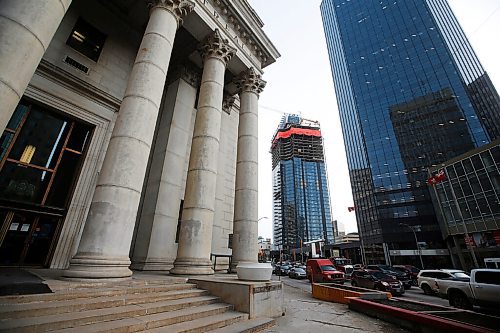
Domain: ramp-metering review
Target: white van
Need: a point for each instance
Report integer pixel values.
(492, 263)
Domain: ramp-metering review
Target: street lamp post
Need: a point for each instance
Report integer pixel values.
(301, 250)
(416, 242)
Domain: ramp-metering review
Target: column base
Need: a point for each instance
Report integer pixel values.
(98, 268)
(234, 264)
(192, 266)
(254, 271)
(152, 264)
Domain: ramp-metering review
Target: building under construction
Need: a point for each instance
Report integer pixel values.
(301, 202)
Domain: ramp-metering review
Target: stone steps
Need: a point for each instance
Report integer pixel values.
(152, 321)
(125, 307)
(204, 324)
(33, 309)
(94, 292)
(247, 326)
(72, 319)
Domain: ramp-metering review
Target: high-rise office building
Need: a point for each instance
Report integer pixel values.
(411, 94)
(301, 202)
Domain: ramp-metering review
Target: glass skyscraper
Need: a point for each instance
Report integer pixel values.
(411, 94)
(301, 202)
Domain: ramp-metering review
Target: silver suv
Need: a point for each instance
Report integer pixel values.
(427, 278)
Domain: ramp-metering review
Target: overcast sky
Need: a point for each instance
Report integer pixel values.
(301, 82)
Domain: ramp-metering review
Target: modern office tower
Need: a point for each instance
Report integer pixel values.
(301, 202)
(411, 94)
(467, 192)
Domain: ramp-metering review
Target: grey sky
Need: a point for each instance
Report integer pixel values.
(301, 81)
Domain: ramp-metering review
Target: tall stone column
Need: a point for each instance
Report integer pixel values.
(26, 29)
(155, 247)
(245, 227)
(195, 236)
(104, 247)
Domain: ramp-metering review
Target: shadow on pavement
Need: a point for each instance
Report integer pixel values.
(17, 281)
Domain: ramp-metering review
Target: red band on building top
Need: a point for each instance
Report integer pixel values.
(299, 131)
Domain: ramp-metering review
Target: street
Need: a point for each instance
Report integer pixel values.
(414, 294)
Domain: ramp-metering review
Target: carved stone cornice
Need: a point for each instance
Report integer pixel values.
(180, 8)
(228, 102)
(249, 32)
(215, 46)
(250, 81)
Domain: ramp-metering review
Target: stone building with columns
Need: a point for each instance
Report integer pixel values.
(129, 134)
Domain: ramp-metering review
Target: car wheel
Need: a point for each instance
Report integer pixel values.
(460, 301)
(427, 290)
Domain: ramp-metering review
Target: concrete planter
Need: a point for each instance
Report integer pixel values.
(343, 294)
(254, 271)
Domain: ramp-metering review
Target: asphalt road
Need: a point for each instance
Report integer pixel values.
(415, 294)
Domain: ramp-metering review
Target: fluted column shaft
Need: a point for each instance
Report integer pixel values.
(26, 29)
(245, 227)
(195, 237)
(103, 251)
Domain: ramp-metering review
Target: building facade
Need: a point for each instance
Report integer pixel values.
(301, 201)
(411, 94)
(129, 134)
(468, 202)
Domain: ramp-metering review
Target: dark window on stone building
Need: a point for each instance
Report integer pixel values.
(86, 39)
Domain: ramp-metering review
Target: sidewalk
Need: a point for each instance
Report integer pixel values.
(305, 314)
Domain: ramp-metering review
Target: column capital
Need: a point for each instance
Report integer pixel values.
(179, 8)
(250, 81)
(228, 102)
(215, 46)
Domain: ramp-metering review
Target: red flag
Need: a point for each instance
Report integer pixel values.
(350, 209)
(437, 178)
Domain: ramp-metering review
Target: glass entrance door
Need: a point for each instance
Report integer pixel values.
(41, 152)
(26, 238)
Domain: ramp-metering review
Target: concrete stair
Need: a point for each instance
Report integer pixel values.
(156, 306)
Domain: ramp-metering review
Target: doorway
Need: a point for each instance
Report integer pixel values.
(27, 238)
(41, 152)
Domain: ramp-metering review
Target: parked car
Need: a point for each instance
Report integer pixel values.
(492, 263)
(322, 270)
(377, 280)
(412, 270)
(427, 278)
(357, 266)
(283, 270)
(297, 273)
(344, 265)
(481, 289)
(405, 278)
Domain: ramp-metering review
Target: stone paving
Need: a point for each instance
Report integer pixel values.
(305, 314)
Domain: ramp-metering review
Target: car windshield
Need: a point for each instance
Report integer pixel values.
(400, 269)
(328, 268)
(380, 275)
(299, 270)
(460, 275)
(385, 268)
(414, 270)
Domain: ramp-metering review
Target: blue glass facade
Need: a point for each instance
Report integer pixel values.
(411, 94)
(301, 198)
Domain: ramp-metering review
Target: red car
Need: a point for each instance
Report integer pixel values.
(322, 270)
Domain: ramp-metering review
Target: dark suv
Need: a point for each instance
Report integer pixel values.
(405, 278)
(377, 280)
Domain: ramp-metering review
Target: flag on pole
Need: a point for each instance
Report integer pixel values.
(437, 178)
